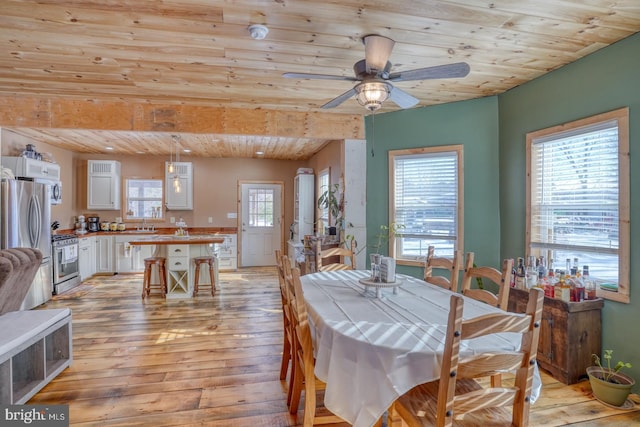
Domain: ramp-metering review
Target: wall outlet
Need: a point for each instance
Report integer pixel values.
(232, 215)
(172, 220)
(210, 220)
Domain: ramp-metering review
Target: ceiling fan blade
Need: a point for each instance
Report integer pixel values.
(340, 99)
(377, 50)
(402, 98)
(318, 76)
(459, 69)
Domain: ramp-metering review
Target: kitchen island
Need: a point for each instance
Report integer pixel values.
(180, 252)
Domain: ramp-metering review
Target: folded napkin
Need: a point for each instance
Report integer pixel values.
(387, 269)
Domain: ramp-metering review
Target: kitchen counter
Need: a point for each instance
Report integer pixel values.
(167, 239)
(158, 231)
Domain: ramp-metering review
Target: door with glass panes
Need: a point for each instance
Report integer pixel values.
(261, 223)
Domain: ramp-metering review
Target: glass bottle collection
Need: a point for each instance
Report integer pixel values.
(570, 284)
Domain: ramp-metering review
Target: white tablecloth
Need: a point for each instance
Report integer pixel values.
(371, 350)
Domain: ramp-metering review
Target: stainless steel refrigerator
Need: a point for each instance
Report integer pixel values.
(25, 214)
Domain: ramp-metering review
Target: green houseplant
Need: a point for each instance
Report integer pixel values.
(608, 384)
(331, 199)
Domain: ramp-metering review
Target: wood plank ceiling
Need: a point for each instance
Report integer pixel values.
(200, 53)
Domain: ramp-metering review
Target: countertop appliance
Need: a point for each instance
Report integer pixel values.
(66, 270)
(25, 215)
(94, 223)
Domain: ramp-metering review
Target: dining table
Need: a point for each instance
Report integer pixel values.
(371, 347)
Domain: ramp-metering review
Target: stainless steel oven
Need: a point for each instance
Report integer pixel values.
(65, 262)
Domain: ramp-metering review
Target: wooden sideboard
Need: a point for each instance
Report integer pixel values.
(569, 334)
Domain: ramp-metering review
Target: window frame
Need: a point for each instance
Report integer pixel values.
(125, 197)
(621, 116)
(326, 220)
(393, 243)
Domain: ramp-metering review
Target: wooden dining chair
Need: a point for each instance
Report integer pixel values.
(286, 317)
(457, 399)
(502, 278)
(501, 299)
(453, 265)
(304, 376)
(323, 255)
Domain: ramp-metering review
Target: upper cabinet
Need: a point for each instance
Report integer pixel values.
(103, 184)
(32, 168)
(179, 186)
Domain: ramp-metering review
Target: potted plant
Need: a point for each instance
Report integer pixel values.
(333, 200)
(609, 385)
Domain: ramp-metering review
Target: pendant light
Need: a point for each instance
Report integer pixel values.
(173, 167)
(170, 165)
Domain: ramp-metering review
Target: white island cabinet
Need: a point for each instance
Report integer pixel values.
(129, 258)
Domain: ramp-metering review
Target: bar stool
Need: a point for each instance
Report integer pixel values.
(146, 282)
(210, 260)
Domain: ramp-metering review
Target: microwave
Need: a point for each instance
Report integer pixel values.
(55, 189)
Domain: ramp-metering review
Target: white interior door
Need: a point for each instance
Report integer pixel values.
(261, 206)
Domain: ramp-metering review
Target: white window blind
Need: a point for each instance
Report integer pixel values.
(575, 198)
(144, 198)
(323, 186)
(426, 202)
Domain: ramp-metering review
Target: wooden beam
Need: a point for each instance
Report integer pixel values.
(97, 114)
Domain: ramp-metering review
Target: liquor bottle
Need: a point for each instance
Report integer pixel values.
(563, 290)
(570, 279)
(520, 274)
(549, 289)
(541, 264)
(589, 285)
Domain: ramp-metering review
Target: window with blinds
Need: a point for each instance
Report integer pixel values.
(323, 186)
(426, 199)
(576, 189)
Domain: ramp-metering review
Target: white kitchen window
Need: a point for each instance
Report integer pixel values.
(143, 198)
(426, 198)
(578, 198)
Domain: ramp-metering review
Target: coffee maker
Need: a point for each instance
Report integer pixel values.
(94, 223)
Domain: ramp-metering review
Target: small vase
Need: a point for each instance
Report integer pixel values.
(613, 393)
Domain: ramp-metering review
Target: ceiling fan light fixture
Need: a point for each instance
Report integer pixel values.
(371, 95)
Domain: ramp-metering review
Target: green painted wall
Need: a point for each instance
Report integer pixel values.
(471, 123)
(601, 82)
(493, 133)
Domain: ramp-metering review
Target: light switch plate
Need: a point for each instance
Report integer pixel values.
(210, 220)
(172, 220)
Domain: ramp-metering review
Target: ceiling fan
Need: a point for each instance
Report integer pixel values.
(375, 79)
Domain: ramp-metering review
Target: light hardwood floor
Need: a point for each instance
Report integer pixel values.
(213, 360)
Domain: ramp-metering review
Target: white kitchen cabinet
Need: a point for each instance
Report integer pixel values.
(103, 184)
(104, 254)
(32, 168)
(303, 206)
(128, 258)
(183, 199)
(227, 252)
(86, 256)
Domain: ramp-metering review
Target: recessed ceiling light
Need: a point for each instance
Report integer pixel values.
(186, 150)
(259, 153)
(108, 148)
